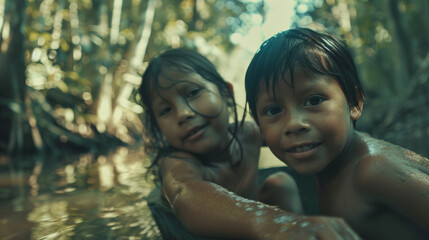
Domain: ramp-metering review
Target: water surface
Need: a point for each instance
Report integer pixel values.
(83, 196)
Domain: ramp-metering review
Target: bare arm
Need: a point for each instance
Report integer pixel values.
(208, 209)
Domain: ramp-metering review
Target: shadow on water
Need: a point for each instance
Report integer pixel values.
(76, 197)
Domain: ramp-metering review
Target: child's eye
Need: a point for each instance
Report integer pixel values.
(164, 111)
(194, 92)
(314, 100)
(272, 111)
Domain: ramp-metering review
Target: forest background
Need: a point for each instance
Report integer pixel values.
(69, 69)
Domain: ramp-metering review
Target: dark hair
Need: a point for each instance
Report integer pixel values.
(186, 61)
(320, 53)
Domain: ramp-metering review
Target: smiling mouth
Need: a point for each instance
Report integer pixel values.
(303, 148)
(191, 134)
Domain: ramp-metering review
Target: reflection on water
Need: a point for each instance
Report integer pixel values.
(76, 197)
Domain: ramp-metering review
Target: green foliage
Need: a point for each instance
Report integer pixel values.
(205, 26)
(83, 56)
(79, 56)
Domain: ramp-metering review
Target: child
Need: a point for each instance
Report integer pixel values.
(208, 167)
(304, 92)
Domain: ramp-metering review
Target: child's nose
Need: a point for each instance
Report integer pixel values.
(184, 112)
(296, 124)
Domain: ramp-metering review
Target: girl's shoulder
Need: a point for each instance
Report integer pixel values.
(180, 163)
(248, 130)
(179, 156)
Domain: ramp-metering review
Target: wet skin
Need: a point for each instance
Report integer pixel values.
(210, 197)
(308, 126)
(379, 188)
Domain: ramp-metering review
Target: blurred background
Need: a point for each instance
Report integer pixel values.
(70, 68)
(71, 163)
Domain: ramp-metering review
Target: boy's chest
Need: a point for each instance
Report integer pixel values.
(370, 220)
(344, 203)
(340, 198)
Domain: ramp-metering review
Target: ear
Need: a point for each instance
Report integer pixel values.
(355, 112)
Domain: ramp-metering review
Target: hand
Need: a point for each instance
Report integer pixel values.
(315, 227)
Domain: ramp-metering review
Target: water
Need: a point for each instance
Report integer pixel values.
(76, 197)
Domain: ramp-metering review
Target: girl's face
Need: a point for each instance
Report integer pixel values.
(309, 126)
(191, 112)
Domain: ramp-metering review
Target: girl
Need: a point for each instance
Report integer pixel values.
(208, 167)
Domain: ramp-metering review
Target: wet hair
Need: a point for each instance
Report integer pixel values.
(319, 53)
(185, 61)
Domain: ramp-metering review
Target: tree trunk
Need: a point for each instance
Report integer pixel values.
(13, 134)
(405, 49)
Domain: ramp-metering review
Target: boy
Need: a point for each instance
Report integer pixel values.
(304, 92)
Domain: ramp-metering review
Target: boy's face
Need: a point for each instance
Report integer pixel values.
(308, 126)
(190, 112)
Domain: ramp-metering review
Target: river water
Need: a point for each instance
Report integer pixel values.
(83, 196)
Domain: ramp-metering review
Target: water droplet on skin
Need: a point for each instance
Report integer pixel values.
(259, 213)
(283, 219)
(249, 209)
(280, 220)
(304, 224)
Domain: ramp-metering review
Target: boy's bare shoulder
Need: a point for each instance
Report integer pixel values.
(385, 164)
(394, 177)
